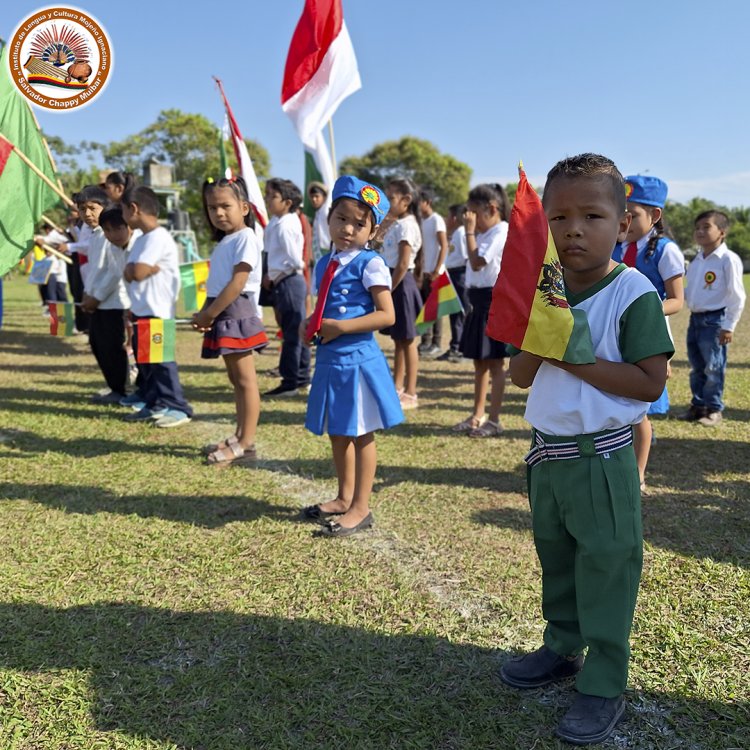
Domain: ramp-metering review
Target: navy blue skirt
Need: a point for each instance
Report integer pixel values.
(475, 343)
(237, 330)
(407, 302)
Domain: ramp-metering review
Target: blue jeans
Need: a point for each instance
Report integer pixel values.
(708, 359)
(289, 300)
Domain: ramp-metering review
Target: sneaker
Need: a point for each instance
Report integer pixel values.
(693, 414)
(591, 719)
(133, 398)
(107, 398)
(422, 348)
(710, 419)
(282, 390)
(431, 352)
(172, 418)
(540, 667)
(145, 414)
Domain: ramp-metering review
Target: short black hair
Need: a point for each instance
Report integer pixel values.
(143, 197)
(112, 217)
(720, 219)
(371, 212)
(427, 195)
(91, 194)
(287, 190)
(591, 166)
(489, 192)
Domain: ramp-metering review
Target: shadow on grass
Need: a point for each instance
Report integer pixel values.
(208, 511)
(224, 680)
(35, 344)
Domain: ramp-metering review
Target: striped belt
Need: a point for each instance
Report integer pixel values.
(580, 447)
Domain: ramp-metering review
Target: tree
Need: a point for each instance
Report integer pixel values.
(418, 160)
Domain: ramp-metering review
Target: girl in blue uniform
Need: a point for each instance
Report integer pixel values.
(352, 393)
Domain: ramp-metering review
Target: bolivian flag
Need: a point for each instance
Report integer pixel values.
(61, 318)
(529, 309)
(442, 300)
(193, 277)
(154, 341)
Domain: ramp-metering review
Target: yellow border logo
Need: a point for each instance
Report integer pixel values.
(370, 195)
(628, 190)
(60, 58)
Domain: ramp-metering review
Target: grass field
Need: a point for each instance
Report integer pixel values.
(149, 601)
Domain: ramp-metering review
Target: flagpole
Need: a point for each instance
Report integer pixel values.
(333, 149)
(38, 172)
(60, 255)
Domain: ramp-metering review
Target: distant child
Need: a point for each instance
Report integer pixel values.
(649, 249)
(715, 296)
(76, 249)
(583, 478)
(229, 318)
(434, 252)
(486, 224)
(352, 393)
(284, 247)
(117, 184)
(402, 243)
(55, 288)
(456, 266)
(153, 277)
(107, 301)
(321, 239)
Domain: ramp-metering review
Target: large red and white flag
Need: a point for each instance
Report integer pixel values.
(245, 162)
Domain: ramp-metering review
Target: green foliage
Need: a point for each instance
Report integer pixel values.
(418, 160)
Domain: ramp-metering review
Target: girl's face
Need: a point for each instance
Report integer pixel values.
(316, 199)
(708, 235)
(487, 215)
(399, 202)
(350, 224)
(114, 192)
(225, 210)
(89, 212)
(643, 219)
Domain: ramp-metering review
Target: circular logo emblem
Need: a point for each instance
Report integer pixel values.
(60, 58)
(709, 278)
(370, 195)
(628, 190)
(156, 338)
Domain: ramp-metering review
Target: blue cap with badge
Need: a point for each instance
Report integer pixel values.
(646, 190)
(348, 186)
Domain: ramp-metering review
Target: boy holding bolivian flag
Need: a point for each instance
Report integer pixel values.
(583, 479)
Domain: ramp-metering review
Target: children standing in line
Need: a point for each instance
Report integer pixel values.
(321, 239)
(582, 473)
(455, 264)
(153, 277)
(434, 252)
(402, 242)
(284, 247)
(716, 297)
(649, 249)
(352, 394)
(76, 249)
(486, 225)
(229, 318)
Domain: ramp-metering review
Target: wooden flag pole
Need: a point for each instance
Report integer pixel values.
(333, 149)
(52, 224)
(60, 255)
(38, 172)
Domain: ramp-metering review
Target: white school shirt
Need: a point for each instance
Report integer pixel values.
(97, 244)
(156, 295)
(402, 230)
(284, 245)
(239, 247)
(55, 238)
(715, 281)
(490, 245)
(81, 246)
(433, 224)
(457, 254)
(321, 237)
(105, 282)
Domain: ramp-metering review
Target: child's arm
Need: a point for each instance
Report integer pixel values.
(523, 368)
(735, 299)
(140, 271)
(675, 290)
(443, 242)
(383, 316)
(404, 256)
(476, 262)
(203, 320)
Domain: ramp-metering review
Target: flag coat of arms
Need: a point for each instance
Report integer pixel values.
(193, 277)
(61, 318)
(442, 300)
(154, 341)
(529, 309)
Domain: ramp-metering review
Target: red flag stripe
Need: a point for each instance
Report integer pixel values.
(433, 300)
(143, 340)
(6, 147)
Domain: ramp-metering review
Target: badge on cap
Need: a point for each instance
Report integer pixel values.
(370, 195)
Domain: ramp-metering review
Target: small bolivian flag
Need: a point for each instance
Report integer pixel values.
(61, 318)
(529, 309)
(442, 300)
(193, 277)
(154, 341)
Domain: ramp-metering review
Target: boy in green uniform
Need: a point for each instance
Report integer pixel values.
(583, 479)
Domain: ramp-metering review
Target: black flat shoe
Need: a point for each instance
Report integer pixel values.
(591, 719)
(334, 529)
(539, 668)
(314, 513)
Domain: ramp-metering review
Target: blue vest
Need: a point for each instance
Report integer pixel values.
(649, 267)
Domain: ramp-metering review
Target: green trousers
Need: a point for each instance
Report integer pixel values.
(587, 530)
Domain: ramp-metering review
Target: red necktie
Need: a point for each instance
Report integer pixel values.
(313, 325)
(630, 255)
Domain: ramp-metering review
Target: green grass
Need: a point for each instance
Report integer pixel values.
(148, 601)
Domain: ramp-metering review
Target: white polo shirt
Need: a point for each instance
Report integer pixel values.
(284, 244)
(402, 230)
(156, 295)
(490, 245)
(430, 244)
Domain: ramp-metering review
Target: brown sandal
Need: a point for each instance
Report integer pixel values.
(469, 424)
(238, 455)
(213, 447)
(488, 429)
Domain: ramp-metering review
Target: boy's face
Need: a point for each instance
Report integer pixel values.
(275, 204)
(89, 212)
(642, 219)
(708, 235)
(350, 225)
(425, 209)
(118, 236)
(585, 222)
(316, 199)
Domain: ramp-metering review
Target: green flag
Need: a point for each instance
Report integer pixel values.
(23, 195)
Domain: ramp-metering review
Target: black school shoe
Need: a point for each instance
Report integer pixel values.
(539, 668)
(590, 719)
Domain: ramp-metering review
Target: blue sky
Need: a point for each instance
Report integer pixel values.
(658, 86)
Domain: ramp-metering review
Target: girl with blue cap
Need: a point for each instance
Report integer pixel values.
(352, 393)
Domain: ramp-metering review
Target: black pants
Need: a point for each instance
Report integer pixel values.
(107, 339)
(75, 282)
(458, 277)
(289, 300)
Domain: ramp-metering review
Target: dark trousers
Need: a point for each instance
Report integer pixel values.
(162, 388)
(75, 282)
(434, 334)
(289, 301)
(53, 290)
(107, 339)
(458, 277)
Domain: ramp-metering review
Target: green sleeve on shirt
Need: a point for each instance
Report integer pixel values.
(511, 350)
(643, 330)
